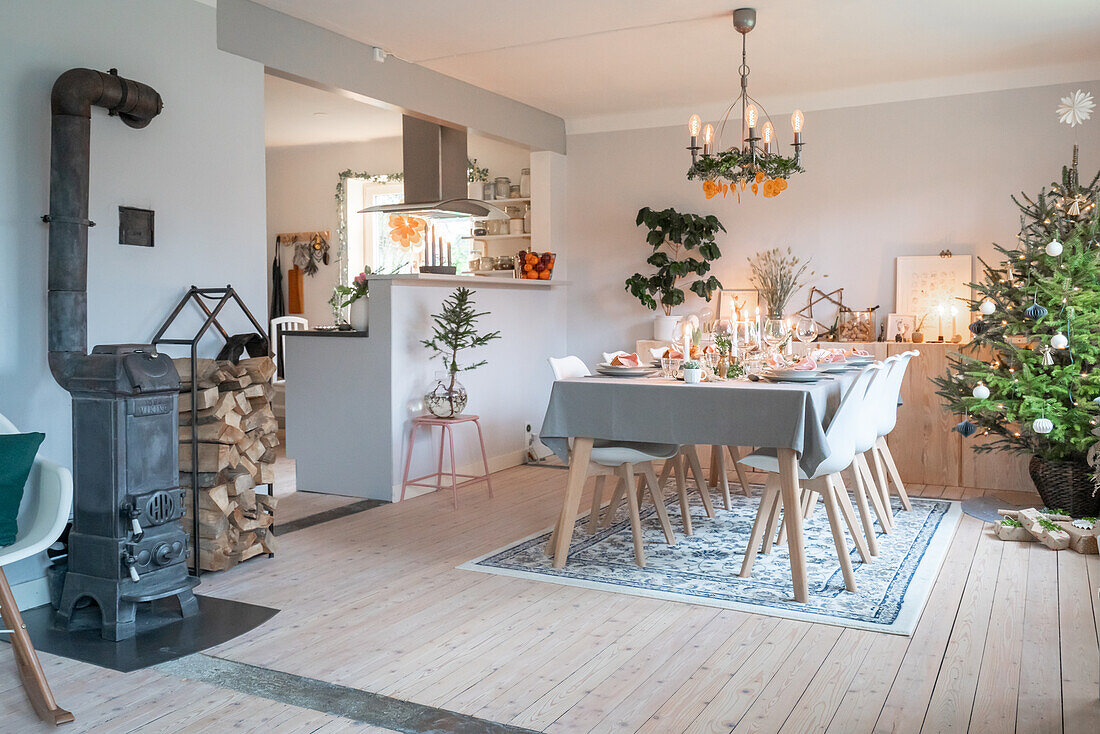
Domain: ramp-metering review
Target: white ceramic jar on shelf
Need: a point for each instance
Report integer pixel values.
(525, 183)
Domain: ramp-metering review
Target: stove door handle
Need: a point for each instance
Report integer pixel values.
(134, 574)
(131, 566)
(135, 526)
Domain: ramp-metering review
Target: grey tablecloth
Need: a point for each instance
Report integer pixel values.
(768, 415)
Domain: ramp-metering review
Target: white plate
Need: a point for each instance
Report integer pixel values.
(794, 376)
(860, 360)
(606, 369)
(833, 369)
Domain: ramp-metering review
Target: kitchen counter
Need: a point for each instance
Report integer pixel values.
(349, 400)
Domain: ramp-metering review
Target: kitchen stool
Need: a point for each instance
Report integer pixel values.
(446, 432)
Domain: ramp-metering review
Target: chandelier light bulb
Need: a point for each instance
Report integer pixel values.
(750, 116)
(708, 138)
(694, 124)
(797, 121)
(769, 134)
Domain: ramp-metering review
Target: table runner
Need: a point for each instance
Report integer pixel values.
(661, 410)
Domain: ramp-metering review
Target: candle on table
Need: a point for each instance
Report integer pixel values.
(939, 317)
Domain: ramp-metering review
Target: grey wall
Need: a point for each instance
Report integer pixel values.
(907, 178)
(301, 190)
(199, 165)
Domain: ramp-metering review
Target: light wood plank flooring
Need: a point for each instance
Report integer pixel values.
(1007, 642)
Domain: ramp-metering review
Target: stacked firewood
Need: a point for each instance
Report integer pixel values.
(237, 433)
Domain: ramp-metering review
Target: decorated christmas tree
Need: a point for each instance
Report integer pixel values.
(1029, 378)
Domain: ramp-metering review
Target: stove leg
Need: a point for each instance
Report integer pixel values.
(189, 605)
(119, 621)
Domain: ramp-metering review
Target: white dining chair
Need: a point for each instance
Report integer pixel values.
(826, 480)
(279, 326)
(885, 418)
(47, 499)
(622, 461)
(867, 489)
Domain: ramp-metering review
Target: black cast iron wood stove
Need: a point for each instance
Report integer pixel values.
(127, 545)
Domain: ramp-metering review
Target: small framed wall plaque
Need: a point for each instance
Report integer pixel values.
(135, 226)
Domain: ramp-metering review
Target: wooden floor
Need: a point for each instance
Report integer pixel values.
(1007, 642)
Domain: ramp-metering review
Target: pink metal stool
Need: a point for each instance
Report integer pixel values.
(445, 425)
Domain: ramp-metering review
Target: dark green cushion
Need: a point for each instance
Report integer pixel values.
(17, 452)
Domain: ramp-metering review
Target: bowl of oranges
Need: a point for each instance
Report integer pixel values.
(535, 265)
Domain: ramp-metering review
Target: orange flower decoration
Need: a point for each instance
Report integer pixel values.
(711, 189)
(781, 183)
(755, 188)
(759, 176)
(405, 231)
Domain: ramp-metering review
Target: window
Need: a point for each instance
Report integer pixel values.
(369, 243)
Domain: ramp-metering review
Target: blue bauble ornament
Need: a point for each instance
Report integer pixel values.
(965, 428)
(979, 326)
(1035, 311)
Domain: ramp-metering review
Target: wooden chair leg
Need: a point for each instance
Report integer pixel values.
(454, 476)
(884, 450)
(803, 497)
(831, 509)
(26, 660)
(658, 501)
(774, 514)
(718, 477)
(874, 494)
(883, 483)
(836, 484)
(681, 490)
(616, 502)
(809, 504)
(864, 512)
(763, 520)
(700, 479)
(597, 502)
(735, 455)
(627, 477)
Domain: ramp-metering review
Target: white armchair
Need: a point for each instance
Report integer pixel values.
(47, 499)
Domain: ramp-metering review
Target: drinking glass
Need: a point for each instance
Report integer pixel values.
(805, 330)
(775, 333)
(746, 338)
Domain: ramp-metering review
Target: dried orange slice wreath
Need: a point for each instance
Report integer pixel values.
(406, 231)
(770, 187)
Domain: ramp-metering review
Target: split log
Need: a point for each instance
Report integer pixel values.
(213, 457)
(260, 369)
(204, 399)
(235, 383)
(217, 432)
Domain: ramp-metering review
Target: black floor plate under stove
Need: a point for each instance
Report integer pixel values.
(162, 634)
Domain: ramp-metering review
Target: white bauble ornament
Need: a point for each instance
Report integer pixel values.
(1042, 425)
(987, 307)
(1054, 249)
(1059, 341)
(981, 392)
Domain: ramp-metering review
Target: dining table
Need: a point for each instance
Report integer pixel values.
(788, 418)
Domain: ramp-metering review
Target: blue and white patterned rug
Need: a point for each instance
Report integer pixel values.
(703, 568)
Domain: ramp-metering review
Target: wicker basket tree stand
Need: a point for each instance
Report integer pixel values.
(1066, 485)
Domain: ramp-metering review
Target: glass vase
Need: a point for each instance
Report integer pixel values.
(447, 398)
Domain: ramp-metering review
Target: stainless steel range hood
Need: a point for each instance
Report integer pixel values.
(435, 175)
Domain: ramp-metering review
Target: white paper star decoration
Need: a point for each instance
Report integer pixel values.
(1076, 108)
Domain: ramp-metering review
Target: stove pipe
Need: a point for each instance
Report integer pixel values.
(74, 94)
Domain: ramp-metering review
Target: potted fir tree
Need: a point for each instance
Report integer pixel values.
(1029, 378)
(675, 240)
(453, 330)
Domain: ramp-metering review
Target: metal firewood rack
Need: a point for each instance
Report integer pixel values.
(218, 298)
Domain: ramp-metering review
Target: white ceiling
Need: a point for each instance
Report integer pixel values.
(296, 114)
(627, 63)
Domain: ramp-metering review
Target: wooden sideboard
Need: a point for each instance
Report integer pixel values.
(925, 448)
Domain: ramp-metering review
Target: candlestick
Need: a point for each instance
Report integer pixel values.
(954, 328)
(939, 319)
(448, 253)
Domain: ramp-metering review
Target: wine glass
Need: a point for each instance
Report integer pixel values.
(805, 330)
(775, 333)
(746, 338)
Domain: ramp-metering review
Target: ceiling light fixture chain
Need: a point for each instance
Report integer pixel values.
(759, 166)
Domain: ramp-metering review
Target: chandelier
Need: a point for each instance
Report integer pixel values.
(758, 163)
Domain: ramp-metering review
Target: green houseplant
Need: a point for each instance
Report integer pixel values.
(682, 246)
(454, 329)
